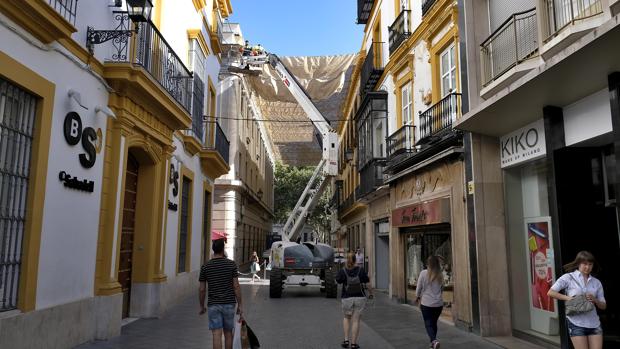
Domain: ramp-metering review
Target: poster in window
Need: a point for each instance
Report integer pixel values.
(540, 250)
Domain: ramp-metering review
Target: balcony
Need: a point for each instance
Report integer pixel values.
(371, 178)
(46, 20)
(372, 69)
(222, 145)
(346, 204)
(364, 7)
(438, 119)
(214, 155)
(400, 30)
(426, 6)
(401, 142)
(514, 42)
(148, 49)
(559, 14)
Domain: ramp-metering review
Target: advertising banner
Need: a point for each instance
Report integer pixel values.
(540, 262)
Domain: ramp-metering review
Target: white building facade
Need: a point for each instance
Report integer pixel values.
(108, 164)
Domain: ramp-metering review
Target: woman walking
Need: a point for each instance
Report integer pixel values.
(584, 326)
(429, 291)
(255, 266)
(353, 279)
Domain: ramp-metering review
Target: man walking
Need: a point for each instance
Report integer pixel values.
(224, 293)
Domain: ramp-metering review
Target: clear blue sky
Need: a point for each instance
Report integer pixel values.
(300, 27)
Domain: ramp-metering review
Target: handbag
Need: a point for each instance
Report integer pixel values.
(579, 304)
(257, 267)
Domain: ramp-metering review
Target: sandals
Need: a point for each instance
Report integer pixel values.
(345, 344)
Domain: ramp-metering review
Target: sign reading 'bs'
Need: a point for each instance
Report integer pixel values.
(526, 143)
(74, 134)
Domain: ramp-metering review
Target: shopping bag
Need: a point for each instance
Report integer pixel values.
(257, 267)
(254, 344)
(237, 334)
(240, 335)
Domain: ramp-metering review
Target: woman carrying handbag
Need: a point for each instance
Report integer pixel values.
(584, 293)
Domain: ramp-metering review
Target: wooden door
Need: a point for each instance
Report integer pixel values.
(127, 233)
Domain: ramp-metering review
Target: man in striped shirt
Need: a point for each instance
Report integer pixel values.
(224, 294)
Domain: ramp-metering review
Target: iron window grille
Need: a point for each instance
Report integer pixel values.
(65, 8)
(17, 117)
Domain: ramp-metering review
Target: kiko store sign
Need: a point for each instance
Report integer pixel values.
(524, 144)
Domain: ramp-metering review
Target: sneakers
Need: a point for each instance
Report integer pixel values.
(435, 344)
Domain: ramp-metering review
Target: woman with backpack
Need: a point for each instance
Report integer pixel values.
(353, 279)
(583, 294)
(429, 291)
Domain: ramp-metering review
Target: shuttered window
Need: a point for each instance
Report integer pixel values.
(500, 10)
(184, 229)
(17, 116)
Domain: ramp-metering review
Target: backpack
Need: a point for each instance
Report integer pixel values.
(353, 286)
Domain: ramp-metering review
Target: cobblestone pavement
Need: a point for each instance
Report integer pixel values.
(302, 318)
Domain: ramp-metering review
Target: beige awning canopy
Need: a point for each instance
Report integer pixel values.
(326, 79)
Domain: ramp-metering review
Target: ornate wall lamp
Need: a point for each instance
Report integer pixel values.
(139, 11)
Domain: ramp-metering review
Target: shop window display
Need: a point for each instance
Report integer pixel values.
(420, 246)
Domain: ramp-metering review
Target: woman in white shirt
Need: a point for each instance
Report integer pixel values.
(584, 329)
(428, 291)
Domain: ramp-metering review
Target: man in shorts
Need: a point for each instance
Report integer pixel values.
(224, 295)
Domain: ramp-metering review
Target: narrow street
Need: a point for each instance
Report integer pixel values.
(300, 319)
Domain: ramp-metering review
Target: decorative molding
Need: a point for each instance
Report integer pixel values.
(213, 164)
(156, 107)
(198, 35)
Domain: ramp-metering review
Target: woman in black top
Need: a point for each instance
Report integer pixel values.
(354, 280)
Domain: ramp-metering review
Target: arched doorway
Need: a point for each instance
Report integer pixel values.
(128, 231)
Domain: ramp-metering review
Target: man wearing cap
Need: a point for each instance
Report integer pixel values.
(221, 274)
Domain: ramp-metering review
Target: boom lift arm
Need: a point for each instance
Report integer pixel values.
(327, 167)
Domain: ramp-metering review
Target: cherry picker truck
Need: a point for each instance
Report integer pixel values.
(306, 263)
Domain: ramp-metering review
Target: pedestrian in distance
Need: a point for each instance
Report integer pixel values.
(359, 257)
(429, 295)
(355, 287)
(221, 274)
(254, 266)
(583, 294)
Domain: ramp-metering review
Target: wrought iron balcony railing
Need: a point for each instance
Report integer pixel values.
(513, 42)
(222, 145)
(347, 203)
(363, 10)
(401, 142)
(440, 117)
(400, 30)
(371, 178)
(149, 49)
(66, 8)
(560, 13)
(426, 6)
(372, 69)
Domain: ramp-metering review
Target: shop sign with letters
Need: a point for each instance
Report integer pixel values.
(526, 143)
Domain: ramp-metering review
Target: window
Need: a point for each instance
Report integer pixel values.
(17, 117)
(422, 244)
(184, 229)
(448, 70)
(407, 113)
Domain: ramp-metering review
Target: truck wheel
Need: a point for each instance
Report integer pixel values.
(331, 289)
(275, 283)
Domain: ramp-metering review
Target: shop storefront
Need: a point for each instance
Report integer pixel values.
(428, 217)
(559, 200)
(425, 231)
(531, 258)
